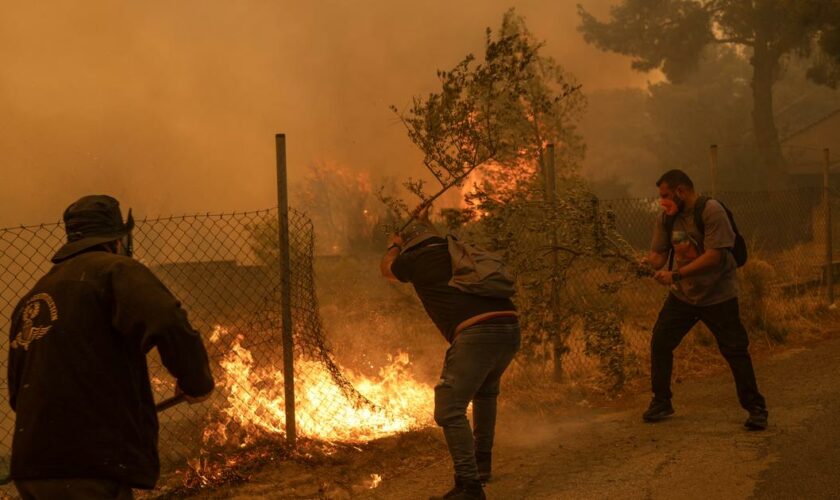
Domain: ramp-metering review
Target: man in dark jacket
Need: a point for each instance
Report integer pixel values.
(483, 333)
(85, 424)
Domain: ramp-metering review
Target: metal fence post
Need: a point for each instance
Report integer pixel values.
(550, 177)
(713, 167)
(829, 252)
(286, 289)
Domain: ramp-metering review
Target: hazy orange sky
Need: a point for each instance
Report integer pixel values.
(173, 106)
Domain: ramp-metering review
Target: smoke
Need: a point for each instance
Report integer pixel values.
(172, 106)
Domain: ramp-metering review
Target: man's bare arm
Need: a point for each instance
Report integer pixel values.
(655, 260)
(394, 242)
(707, 261)
(387, 260)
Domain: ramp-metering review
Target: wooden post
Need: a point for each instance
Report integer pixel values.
(829, 252)
(713, 167)
(550, 177)
(286, 289)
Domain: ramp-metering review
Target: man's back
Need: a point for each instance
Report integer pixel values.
(78, 379)
(429, 268)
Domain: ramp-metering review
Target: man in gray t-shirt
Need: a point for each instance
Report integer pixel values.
(700, 271)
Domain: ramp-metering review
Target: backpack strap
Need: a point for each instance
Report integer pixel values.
(699, 207)
(668, 224)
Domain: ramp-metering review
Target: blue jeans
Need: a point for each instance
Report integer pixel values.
(472, 371)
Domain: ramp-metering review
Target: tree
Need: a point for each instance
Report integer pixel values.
(498, 115)
(342, 206)
(500, 111)
(709, 106)
(671, 35)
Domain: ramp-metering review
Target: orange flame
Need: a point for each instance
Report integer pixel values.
(255, 400)
(496, 180)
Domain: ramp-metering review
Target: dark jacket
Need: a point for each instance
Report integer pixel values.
(428, 266)
(78, 379)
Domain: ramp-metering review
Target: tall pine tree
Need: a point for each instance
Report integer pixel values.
(671, 35)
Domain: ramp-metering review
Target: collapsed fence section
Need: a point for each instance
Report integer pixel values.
(225, 271)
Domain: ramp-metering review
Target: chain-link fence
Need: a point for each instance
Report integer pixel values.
(225, 270)
(589, 308)
(786, 235)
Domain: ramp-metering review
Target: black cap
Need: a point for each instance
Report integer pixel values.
(418, 232)
(91, 221)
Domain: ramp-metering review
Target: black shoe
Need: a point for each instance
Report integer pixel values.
(465, 489)
(757, 420)
(658, 410)
(483, 460)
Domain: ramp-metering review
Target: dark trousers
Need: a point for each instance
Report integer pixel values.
(73, 489)
(724, 321)
(472, 372)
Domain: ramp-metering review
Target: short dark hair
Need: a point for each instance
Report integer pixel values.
(675, 178)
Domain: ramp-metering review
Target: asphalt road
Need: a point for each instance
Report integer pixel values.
(702, 452)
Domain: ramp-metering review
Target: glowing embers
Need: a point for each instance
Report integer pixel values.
(255, 401)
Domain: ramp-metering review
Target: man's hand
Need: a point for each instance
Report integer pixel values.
(395, 239)
(664, 277)
(644, 269)
(190, 399)
(390, 256)
(653, 261)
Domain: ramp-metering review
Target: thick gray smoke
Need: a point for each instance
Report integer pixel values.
(172, 106)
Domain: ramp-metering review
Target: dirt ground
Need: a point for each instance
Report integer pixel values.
(601, 450)
(608, 452)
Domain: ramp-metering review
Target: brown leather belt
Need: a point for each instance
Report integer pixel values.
(480, 319)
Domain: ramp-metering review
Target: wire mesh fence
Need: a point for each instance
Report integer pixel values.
(225, 270)
(607, 312)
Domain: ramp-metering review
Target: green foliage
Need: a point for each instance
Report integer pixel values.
(668, 35)
(602, 332)
(671, 35)
(633, 135)
(500, 110)
(498, 115)
(569, 262)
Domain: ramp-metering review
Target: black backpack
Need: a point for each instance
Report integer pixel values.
(739, 251)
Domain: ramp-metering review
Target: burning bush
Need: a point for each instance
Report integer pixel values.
(252, 414)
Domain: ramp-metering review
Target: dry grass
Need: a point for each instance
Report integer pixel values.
(368, 318)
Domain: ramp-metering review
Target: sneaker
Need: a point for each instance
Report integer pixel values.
(483, 460)
(658, 410)
(757, 420)
(464, 489)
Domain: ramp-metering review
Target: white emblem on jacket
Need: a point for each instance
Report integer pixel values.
(33, 329)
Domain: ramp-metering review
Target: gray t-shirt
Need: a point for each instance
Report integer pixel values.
(716, 285)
